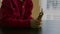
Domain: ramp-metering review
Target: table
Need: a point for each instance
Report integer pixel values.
(20, 31)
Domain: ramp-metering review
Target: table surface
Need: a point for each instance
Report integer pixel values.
(20, 31)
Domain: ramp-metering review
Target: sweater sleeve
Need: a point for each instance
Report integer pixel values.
(12, 22)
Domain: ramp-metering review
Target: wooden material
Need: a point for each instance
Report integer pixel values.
(36, 9)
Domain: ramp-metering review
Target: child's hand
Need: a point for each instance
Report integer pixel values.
(36, 23)
(40, 15)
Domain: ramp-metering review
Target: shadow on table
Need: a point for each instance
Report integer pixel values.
(21, 31)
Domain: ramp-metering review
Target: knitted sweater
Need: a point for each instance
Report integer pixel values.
(16, 13)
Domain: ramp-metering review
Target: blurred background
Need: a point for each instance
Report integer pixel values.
(51, 18)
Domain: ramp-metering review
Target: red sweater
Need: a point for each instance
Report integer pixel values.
(16, 13)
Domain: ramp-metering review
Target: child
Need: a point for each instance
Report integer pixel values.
(17, 13)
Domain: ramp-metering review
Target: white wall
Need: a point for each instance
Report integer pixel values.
(51, 20)
(50, 14)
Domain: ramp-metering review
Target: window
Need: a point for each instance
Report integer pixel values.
(51, 9)
(55, 4)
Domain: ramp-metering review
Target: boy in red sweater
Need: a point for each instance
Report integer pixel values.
(17, 13)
